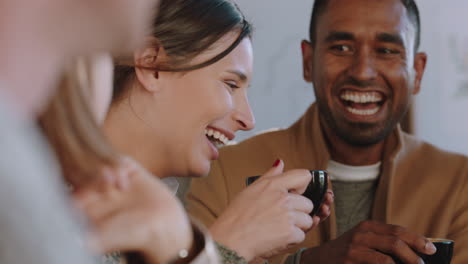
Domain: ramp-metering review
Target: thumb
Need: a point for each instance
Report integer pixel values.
(276, 169)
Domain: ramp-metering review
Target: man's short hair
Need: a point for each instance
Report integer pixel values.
(411, 7)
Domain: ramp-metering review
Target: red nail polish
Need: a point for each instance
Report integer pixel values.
(277, 162)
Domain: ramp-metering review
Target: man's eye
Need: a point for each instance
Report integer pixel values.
(342, 48)
(388, 51)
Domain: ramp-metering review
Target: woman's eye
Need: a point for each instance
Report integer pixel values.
(231, 85)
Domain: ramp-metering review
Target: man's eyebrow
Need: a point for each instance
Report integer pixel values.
(240, 74)
(337, 36)
(390, 38)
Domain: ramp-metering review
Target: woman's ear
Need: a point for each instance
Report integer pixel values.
(146, 60)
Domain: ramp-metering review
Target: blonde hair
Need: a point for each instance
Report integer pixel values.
(71, 127)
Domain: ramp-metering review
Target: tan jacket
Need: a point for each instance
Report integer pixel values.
(420, 187)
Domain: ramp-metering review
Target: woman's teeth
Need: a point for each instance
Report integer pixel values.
(217, 137)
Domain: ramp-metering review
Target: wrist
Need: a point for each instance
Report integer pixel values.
(180, 243)
(170, 254)
(202, 250)
(232, 238)
(229, 256)
(186, 255)
(233, 244)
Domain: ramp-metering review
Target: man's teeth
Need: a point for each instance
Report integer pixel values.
(362, 98)
(220, 137)
(363, 112)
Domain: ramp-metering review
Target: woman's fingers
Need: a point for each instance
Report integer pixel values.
(302, 220)
(300, 203)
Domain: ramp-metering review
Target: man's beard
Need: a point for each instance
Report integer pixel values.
(361, 134)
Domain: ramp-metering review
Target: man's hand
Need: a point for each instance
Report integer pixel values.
(372, 242)
(325, 209)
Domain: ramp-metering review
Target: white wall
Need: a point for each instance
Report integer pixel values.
(442, 106)
(279, 95)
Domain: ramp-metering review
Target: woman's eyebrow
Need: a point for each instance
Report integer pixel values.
(240, 74)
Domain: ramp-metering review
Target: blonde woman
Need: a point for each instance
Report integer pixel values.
(128, 209)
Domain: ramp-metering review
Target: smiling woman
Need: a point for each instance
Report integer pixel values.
(187, 94)
(181, 97)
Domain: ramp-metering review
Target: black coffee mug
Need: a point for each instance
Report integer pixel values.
(315, 191)
(442, 256)
(444, 252)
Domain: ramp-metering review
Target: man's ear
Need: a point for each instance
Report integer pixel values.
(146, 60)
(420, 61)
(307, 55)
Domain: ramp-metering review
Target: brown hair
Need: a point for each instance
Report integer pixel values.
(72, 129)
(185, 29)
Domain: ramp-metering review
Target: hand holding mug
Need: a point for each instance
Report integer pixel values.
(373, 242)
(267, 217)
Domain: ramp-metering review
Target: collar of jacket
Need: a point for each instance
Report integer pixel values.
(311, 151)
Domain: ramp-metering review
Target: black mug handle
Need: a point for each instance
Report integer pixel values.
(250, 180)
